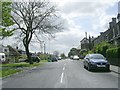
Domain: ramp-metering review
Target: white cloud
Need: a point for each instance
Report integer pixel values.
(71, 9)
(75, 9)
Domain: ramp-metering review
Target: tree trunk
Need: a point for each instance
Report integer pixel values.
(26, 45)
(28, 55)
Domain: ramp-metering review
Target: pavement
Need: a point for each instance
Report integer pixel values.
(62, 74)
(115, 69)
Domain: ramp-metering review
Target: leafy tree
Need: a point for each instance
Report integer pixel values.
(33, 19)
(73, 52)
(63, 56)
(6, 19)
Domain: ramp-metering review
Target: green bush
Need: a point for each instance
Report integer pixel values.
(90, 52)
(43, 56)
(102, 48)
(113, 56)
(23, 57)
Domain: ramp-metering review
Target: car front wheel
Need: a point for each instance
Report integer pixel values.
(84, 66)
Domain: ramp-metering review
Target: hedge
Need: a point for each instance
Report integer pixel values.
(113, 55)
(102, 48)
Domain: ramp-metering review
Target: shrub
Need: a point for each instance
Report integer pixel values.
(90, 52)
(113, 55)
(102, 48)
(43, 56)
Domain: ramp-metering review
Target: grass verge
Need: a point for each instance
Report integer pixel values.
(12, 67)
(22, 64)
(7, 72)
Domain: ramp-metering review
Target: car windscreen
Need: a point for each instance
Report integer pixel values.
(97, 57)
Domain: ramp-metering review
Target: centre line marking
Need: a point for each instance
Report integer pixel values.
(61, 78)
(63, 68)
(64, 64)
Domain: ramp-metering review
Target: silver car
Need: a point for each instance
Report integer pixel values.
(96, 61)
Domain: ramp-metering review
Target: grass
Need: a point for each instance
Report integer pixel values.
(44, 60)
(22, 64)
(7, 72)
(14, 66)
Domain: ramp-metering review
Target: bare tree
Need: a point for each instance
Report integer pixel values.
(34, 19)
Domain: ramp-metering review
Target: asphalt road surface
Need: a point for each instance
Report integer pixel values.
(62, 74)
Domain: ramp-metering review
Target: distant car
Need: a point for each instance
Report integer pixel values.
(21, 60)
(34, 59)
(71, 57)
(75, 57)
(96, 61)
(59, 58)
(53, 59)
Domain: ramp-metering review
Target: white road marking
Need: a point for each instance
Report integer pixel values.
(63, 68)
(61, 80)
(64, 64)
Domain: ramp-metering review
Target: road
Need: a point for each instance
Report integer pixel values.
(62, 74)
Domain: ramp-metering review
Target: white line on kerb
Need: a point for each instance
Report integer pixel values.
(61, 78)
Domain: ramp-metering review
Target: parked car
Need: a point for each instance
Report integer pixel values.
(96, 61)
(59, 58)
(2, 57)
(21, 60)
(71, 57)
(75, 57)
(54, 59)
(34, 59)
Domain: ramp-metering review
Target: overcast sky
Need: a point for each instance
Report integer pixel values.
(91, 16)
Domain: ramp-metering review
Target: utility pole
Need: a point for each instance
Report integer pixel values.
(44, 48)
(49, 44)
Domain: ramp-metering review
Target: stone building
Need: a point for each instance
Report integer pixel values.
(112, 35)
(84, 43)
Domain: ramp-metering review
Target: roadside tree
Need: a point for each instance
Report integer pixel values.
(34, 18)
